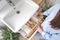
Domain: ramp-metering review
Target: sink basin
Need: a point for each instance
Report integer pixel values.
(2, 3)
(5, 8)
(16, 16)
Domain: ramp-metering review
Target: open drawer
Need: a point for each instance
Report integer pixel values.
(30, 28)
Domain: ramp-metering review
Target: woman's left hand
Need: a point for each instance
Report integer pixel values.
(40, 30)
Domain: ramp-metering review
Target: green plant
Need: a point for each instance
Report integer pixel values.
(9, 35)
(47, 5)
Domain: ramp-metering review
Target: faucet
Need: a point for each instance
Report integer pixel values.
(10, 2)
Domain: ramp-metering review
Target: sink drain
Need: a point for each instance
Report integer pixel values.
(18, 12)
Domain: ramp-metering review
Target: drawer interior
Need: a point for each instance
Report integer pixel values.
(31, 26)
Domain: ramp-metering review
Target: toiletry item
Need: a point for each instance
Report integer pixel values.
(26, 29)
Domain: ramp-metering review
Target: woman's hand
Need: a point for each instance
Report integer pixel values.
(40, 14)
(40, 30)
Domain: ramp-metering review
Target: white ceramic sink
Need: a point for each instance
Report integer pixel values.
(16, 16)
(5, 8)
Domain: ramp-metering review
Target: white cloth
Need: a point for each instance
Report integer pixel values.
(49, 33)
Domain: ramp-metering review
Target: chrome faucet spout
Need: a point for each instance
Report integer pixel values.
(10, 2)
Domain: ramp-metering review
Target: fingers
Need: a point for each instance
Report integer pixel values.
(40, 14)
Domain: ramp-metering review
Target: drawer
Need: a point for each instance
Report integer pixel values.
(30, 28)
